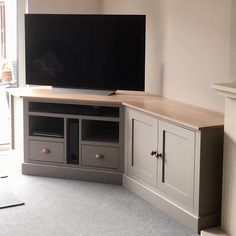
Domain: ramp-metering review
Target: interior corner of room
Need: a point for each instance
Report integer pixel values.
(190, 45)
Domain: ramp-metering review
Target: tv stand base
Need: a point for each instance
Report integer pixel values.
(72, 173)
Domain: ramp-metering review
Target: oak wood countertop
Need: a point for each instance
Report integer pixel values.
(188, 115)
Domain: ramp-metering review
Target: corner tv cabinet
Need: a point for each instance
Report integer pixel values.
(83, 141)
(167, 152)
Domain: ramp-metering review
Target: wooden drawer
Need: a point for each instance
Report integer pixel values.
(100, 156)
(46, 151)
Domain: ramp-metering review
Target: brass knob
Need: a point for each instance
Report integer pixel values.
(99, 156)
(156, 154)
(45, 151)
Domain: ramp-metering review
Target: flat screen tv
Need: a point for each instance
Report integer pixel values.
(98, 52)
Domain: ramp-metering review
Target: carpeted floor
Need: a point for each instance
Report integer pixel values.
(7, 197)
(4, 117)
(72, 208)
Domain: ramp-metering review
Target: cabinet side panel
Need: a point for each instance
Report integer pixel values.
(26, 130)
(121, 137)
(211, 171)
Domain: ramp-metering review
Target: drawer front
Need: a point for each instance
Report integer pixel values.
(46, 151)
(100, 156)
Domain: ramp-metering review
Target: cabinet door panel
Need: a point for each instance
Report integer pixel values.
(176, 166)
(142, 139)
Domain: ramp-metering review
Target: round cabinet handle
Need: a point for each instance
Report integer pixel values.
(99, 156)
(156, 154)
(45, 151)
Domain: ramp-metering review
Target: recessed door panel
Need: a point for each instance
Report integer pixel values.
(176, 165)
(143, 133)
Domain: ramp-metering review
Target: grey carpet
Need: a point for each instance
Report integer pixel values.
(74, 208)
(7, 197)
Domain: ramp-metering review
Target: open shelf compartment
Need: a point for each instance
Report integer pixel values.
(74, 109)
(100, 131)
(44, 126)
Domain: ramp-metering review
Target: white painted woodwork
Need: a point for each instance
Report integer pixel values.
(142, 141)
(176, 165)
(228, 90)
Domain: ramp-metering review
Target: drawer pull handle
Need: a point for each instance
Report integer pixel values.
(99, 156)
(156, 153)
(45, 151)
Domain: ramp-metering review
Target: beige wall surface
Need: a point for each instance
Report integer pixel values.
(187, 43)
(21, 42)
(187, 48)
(233, 42)
(64, 6)
(197, 50)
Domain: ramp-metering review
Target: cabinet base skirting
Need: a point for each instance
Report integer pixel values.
(72, 173)
(178, 213)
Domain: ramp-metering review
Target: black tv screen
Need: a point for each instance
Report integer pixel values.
(102, 52)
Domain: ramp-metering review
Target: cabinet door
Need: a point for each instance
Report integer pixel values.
(176, 165)
(141, 140)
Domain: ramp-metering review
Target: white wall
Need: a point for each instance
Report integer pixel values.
(62, 6)
(233, 42)
(21, 42)
(197, 50)
(11, 29)
(188, 47)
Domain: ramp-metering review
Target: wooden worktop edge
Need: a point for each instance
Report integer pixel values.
(184, 114)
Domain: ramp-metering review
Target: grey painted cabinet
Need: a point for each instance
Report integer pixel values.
(73, 140)
(174, 167)
(161, 154)
(141, 140)
(173, 151)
